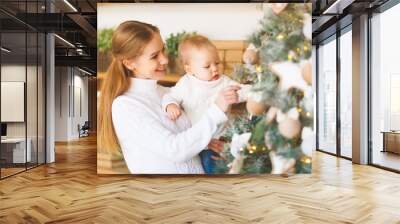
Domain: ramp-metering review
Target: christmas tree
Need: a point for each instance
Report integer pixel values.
(276, 136)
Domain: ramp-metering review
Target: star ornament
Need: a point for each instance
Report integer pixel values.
(238, 142)
(308, 141)
(289, 75)
(281, 165)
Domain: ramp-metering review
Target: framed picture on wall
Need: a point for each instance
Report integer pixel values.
(12, 101)
(238, 101)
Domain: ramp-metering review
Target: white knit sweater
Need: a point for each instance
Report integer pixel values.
(153, 144)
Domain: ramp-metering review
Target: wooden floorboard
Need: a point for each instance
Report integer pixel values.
(70, 191)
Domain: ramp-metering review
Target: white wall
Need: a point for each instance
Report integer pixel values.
(62, 81)
(217, 21)
(67, 117)
(13, 72)
(80, 83)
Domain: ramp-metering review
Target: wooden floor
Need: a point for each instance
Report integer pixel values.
(10, 171)
(70, 191)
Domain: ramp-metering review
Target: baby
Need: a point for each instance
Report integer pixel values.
(199, 87)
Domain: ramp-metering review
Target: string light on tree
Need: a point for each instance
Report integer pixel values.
(306, 160)
(280, 36)
(259, 68)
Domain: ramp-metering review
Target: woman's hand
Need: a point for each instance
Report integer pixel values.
(227, 96)
(216, 146)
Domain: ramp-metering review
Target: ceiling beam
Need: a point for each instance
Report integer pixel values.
(86, 26)
(77, 61)
(320, 22)
(337, 7)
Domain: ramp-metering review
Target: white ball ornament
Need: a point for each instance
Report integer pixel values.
(289, 128)
(255, 107)
(271, 115)
(306, 72)
(255, 104)
(278, 7)
(288, 123)
(250, 56)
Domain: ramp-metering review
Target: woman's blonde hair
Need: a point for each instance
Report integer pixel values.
(128, 42)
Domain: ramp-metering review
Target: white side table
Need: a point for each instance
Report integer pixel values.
(19, 149)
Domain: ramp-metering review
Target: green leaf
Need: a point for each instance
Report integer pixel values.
(173, 40)
(104, 39)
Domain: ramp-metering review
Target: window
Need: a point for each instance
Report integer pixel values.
(327, 97)
(346, 93)
(22, 76)
(385, 89)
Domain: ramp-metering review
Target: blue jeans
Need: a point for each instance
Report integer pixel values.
(207, 162)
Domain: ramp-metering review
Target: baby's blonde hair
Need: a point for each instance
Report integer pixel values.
(193, 41)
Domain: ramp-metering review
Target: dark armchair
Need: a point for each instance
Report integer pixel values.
(84, 129)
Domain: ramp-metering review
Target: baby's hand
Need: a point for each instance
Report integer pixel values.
(173, 111)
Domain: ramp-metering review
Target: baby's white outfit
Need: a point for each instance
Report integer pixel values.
(195, 96)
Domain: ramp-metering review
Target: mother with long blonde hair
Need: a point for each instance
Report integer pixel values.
(130, 116)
